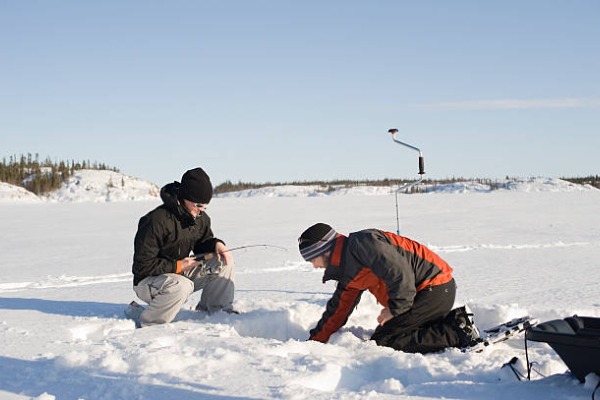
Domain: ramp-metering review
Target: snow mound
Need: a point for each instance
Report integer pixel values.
(536, 184)
(100, 186)
(12, 193)
(547, 185)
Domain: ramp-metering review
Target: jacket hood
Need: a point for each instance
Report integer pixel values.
(169, 196)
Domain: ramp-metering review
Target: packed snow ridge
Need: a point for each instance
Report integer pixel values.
(100, 186)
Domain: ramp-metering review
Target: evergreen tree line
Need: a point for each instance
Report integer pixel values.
(592, 180)
(328, 186)
(41, 177)
(229, 186)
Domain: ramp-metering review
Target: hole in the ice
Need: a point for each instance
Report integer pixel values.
(269, 325)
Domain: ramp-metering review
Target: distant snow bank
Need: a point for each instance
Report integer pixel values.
(307, 191)
(108, 186)
(521, 185)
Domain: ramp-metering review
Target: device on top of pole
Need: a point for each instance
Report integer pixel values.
(410, 184)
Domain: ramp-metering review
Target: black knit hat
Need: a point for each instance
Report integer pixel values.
(196, 186)
(316, 240)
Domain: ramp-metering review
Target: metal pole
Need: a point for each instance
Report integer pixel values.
(410, 184)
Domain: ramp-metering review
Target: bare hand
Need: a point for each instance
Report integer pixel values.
(384, 316)
(223, 253)
(189, 263)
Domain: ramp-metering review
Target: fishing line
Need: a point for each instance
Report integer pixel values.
(254, 245)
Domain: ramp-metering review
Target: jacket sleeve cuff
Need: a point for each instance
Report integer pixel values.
(207, 246)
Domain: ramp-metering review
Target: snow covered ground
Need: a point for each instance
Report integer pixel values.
(66, 279)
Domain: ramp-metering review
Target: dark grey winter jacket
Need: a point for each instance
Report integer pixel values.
(167, 234)
(392, 267)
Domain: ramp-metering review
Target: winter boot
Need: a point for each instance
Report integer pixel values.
(462, 319)
(229, 310)
(134, 311)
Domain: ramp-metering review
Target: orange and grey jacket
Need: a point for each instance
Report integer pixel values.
(391, 267)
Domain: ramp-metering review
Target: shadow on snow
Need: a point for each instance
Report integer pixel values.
(35, 377)
(67, 308)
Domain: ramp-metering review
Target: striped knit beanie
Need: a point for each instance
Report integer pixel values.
(316, 240)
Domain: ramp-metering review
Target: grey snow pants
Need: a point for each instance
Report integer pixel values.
(165, 294)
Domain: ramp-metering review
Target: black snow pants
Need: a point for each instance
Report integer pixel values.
(427, 327)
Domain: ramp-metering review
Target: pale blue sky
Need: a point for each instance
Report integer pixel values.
(301, 90)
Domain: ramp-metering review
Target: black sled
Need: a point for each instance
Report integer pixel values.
(575, 339)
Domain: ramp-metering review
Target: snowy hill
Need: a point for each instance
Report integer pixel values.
(104, 186)
(11, 193)
(94, 186)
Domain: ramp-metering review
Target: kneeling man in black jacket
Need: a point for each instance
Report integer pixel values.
(169, 243)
